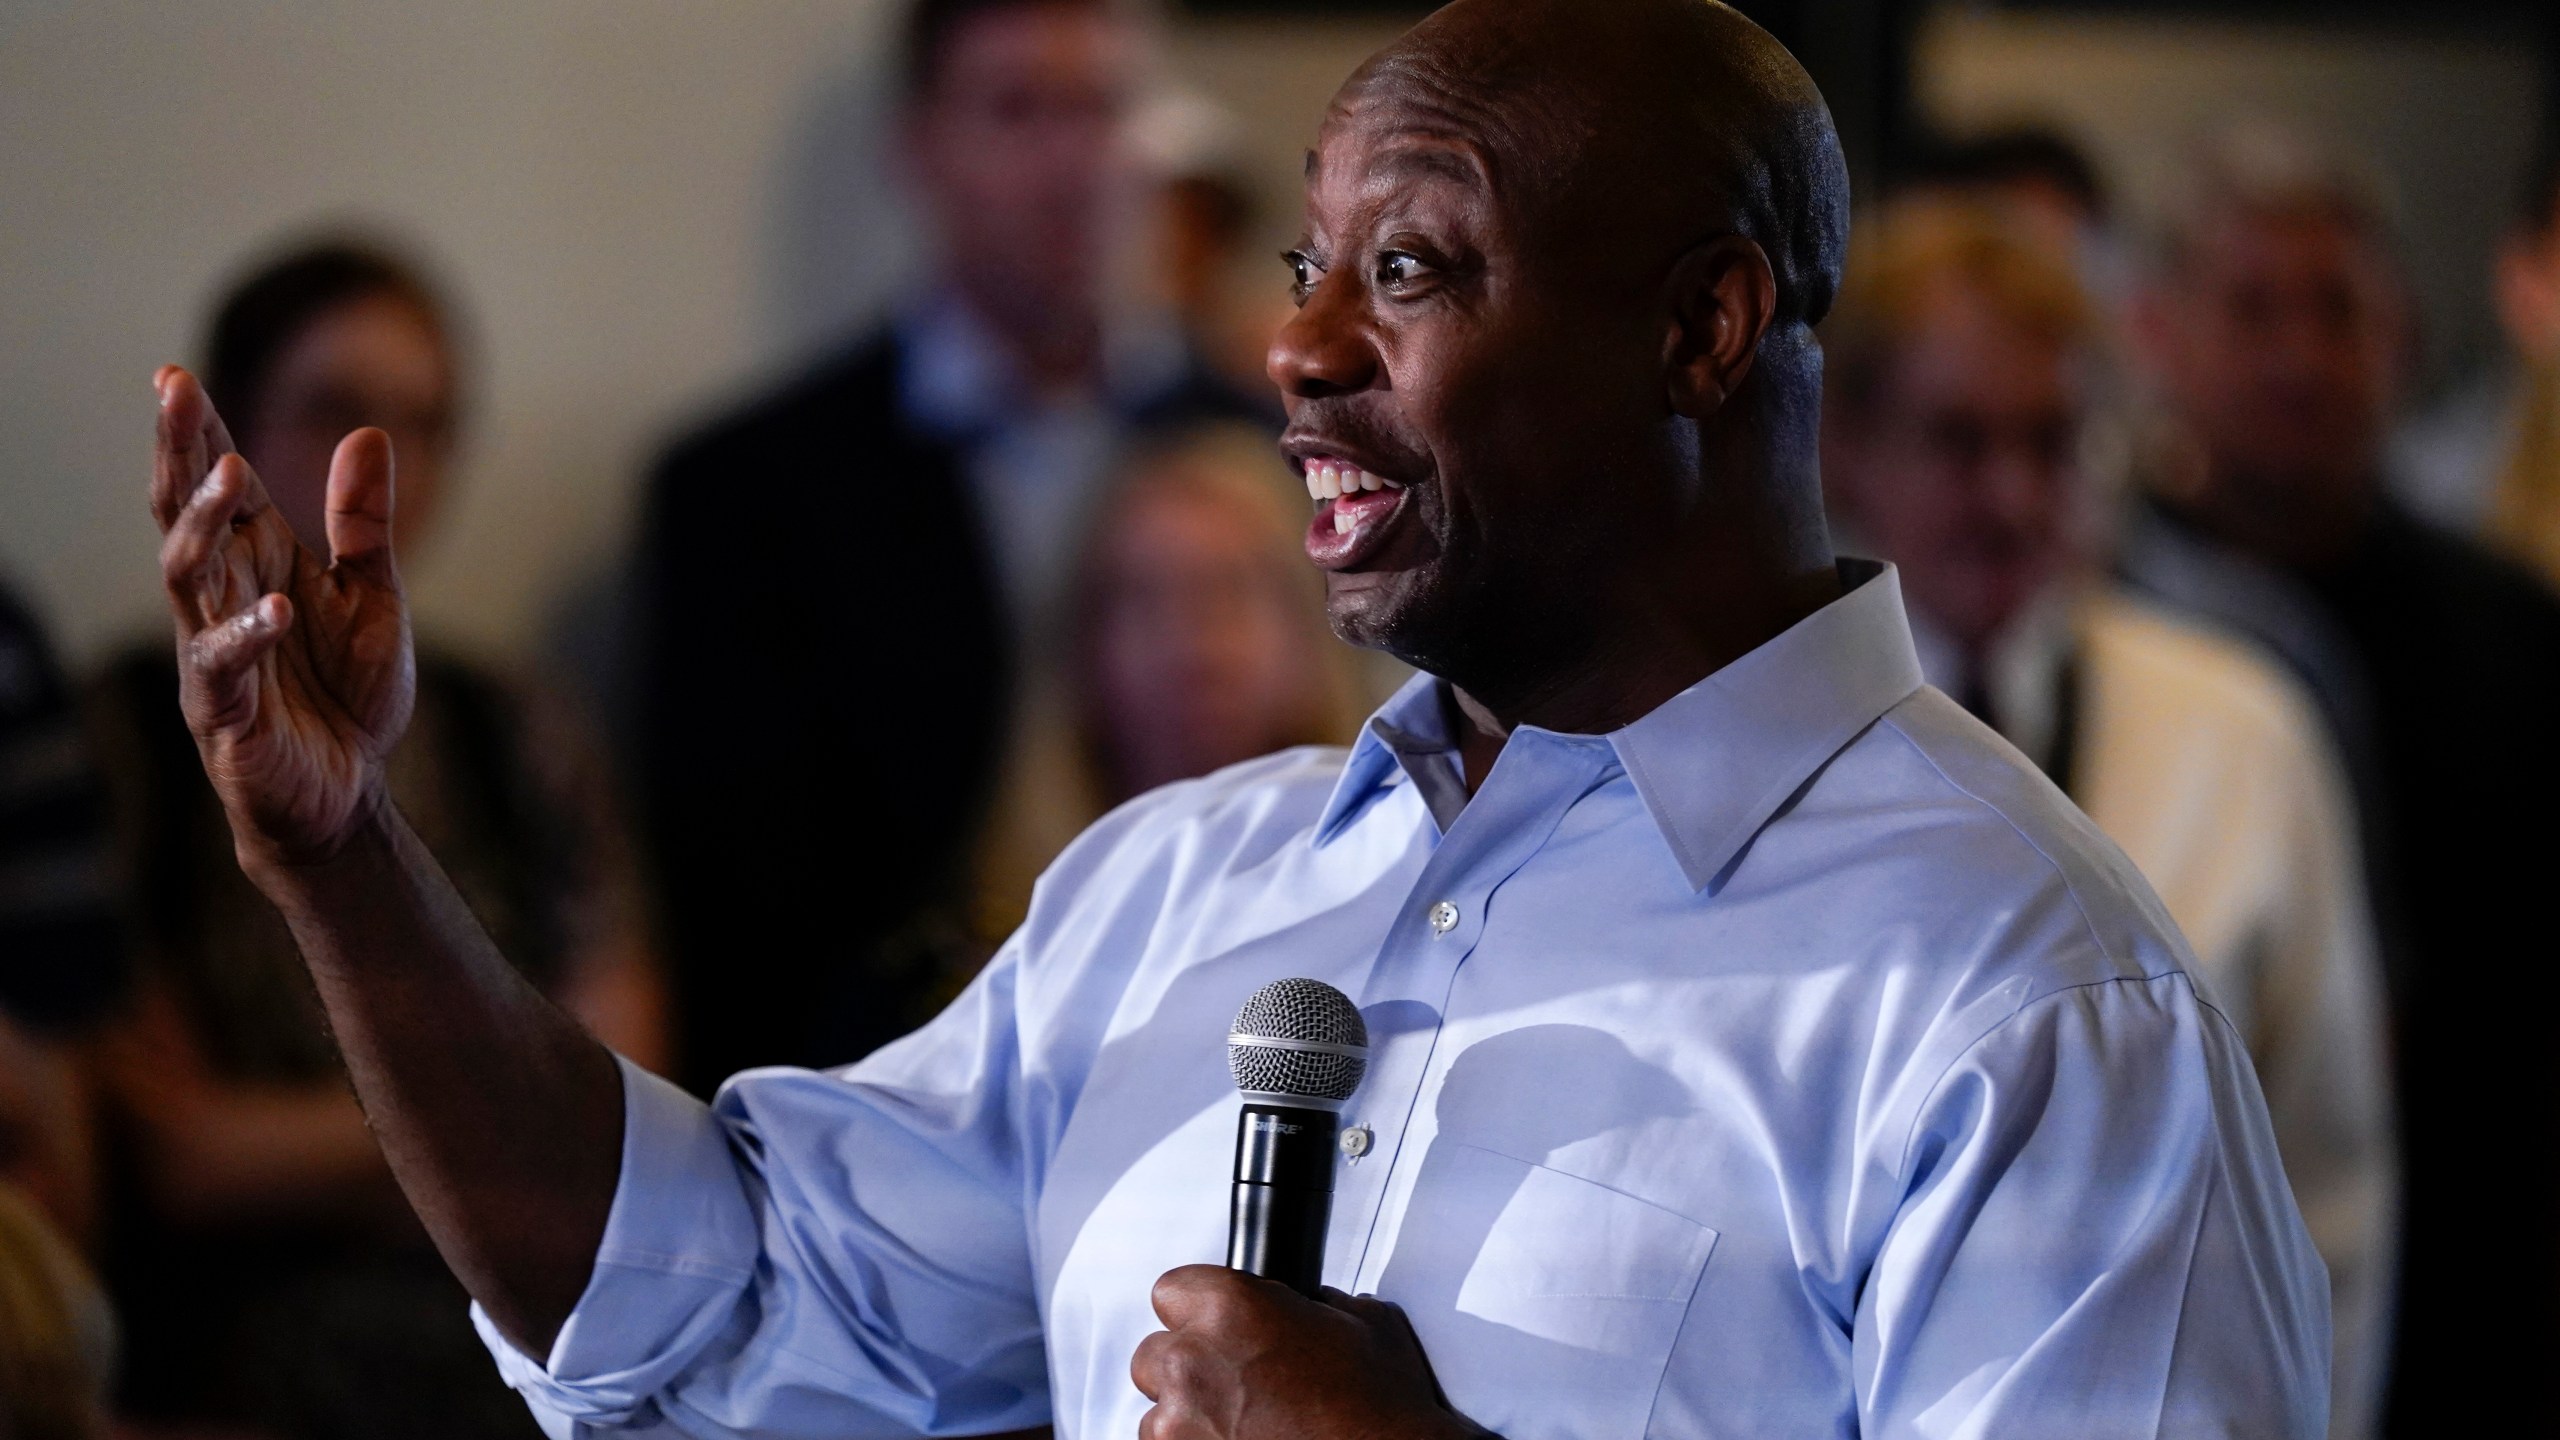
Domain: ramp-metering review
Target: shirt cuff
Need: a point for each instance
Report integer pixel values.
(679, 1247)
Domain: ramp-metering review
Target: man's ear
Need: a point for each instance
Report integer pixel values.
(1723, 296)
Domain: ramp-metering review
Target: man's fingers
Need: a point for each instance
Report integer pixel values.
(1387, 1317)
(1367, 1307)
(196, 532)
(172, 477)
(197, 536)
(1147, 1365)
(360, 480)
(192, 438)
(232, 647)
(1188, 1294)
(221, 663)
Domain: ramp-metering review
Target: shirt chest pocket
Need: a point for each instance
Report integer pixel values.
(1548, 1304)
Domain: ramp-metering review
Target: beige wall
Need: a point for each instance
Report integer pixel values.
(644, 204)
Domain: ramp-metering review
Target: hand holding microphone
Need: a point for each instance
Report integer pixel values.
(1258, 1349)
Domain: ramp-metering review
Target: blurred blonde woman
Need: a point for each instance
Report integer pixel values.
(56, 1340)
(1194, 638)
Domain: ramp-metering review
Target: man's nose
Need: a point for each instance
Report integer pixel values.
(1325, 349)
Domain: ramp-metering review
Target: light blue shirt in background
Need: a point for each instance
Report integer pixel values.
(1793, 1062)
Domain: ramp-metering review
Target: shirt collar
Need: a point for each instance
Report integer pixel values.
(1712, 763)
(1408, 737)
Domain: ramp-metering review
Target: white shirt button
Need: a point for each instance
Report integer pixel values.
(1355, 1141)
(1444, 918)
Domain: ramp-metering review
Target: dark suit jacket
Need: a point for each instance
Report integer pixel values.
(824, 674)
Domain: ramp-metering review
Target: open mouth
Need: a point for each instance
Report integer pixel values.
(1355, 510)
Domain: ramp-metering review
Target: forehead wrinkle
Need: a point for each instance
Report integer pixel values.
(1421, 157)
(1500, 96)
(1423, 143)
(1497, 99)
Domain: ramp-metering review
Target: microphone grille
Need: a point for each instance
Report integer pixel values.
(1298, 1013)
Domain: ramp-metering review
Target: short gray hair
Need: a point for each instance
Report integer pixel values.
(2261, 170)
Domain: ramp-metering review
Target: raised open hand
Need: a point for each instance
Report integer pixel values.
(296, 675)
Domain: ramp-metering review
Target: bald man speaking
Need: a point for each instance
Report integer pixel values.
(1759, 1047)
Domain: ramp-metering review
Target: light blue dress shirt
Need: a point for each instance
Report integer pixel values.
(1794, 1062)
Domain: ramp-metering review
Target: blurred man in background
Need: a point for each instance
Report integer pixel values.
(2524, 502)
(2037, 177)
(966, 438)
(2275, 332)
(2456, 463)
(1205, 267)
(1959, 388)
(268, 1272)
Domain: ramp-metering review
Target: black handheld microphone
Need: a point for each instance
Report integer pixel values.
(1298, 1050)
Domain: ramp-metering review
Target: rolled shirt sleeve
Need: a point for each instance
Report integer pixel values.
(2096, 1240)
(840, 1254)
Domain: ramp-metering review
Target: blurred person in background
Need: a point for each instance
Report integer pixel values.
(62, 971)
(1194, 638)
(265, 1265)
(62, 958)
(2478, 460)
(1203, 216)
(2523, 513)
(57, 1339)
(48, 1127)
(2276, 334)
(1963, 361)
(968, 437)
(2040, 180)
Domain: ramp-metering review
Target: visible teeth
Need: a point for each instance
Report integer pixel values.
(1341, 523)
(1331, 480)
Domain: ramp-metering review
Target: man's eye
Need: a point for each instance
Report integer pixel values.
(1399, 268)
(1303, 274)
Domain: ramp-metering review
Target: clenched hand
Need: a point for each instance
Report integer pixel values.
(1242, 1358)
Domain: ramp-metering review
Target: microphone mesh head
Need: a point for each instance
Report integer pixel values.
(1309, 1011)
